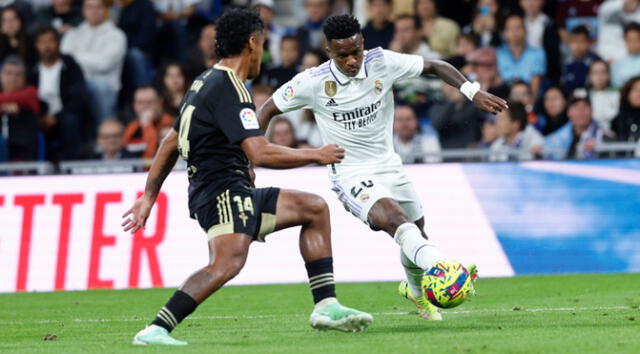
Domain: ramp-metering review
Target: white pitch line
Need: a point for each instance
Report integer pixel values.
(403, 313)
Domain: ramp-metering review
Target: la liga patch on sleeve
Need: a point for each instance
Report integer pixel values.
(249, 119)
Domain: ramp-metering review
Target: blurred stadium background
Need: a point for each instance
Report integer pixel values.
(89, 88)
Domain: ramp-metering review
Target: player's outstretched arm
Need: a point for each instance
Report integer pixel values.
(264, 154)
(482, 99)
(161, 166)
(267, 111)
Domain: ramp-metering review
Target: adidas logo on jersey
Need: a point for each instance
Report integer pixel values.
(331, 103)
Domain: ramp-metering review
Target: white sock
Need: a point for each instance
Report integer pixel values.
(414, 275)
(324, 303)
(420, 251)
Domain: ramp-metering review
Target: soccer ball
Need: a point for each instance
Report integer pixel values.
(447, 284)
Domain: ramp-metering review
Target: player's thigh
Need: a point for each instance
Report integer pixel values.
(359, 194)
(296, 208)
(229, 250)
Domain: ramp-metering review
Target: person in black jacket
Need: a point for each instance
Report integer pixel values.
(626, 125)
(138, 22)
(61, 86)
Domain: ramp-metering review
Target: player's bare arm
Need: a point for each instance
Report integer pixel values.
(162, 165)
(482, 99)
(266, 112)
(262, 153)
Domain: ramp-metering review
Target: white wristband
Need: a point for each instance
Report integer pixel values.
(469, 89)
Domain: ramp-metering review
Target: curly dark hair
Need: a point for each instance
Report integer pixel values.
(234, 28)
(340, 27)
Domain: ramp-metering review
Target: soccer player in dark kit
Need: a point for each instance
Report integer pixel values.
(218, 134)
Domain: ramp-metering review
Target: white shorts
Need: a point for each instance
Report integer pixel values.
(359, 193)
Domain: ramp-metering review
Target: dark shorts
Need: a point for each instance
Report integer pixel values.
(249, 211)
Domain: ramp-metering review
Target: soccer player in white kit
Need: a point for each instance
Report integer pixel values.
(352, 99)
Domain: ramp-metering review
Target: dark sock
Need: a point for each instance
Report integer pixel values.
(177, 308)
(321, 279)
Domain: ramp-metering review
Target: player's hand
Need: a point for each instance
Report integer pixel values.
(489, 103)
(331, 153)
(136, 217)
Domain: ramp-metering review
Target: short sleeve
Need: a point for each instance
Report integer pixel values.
(295, 94)
(234, 114)
(403, 66)
(237, 121)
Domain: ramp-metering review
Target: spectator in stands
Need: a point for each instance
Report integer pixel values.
(484, 69)
(456, 119)
(489, 132)
(542, 33)
(605, 100)
(281, 132)
(109, 143)
(572, 13)
(310, 34)
(173, 29)
(13, 36)
(142, 135)
(485, 22)
(203, 55)
(408, 39)
(440, 32)
(521, 92)
(517, 60)
(409, 142)
(99, 47)
(276, 76)
(261, 94)
(22, 6)
(613, 15)
(19, 111)
(61, 14)
(517, 140)
(579, 137)
(466, 44)
(576, 66)
(628, 66)
(275, 32)
(61, 86)
(173, 86)
(312, 59)
(138, 22)
(626, 124)
(554, 111)
(379, 30)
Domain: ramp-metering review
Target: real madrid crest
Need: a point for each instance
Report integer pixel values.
(377, 88)
(330, 88)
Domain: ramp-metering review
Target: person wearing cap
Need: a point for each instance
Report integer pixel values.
(517, 140)
(579, 137)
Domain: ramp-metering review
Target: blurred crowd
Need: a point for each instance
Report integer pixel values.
(99, 79)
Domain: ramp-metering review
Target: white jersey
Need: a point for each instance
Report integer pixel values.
(354, 112)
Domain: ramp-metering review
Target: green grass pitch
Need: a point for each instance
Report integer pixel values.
(532, 314)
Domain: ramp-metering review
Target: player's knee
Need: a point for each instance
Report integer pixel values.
(226, 269)
(316, 206)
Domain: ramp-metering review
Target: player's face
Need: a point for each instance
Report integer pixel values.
(256, 44)
(347, 53)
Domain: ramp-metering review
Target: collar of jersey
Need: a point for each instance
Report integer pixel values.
(225, 68)
(344, 79)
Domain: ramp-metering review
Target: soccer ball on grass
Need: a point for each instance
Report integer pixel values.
(447, 284)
